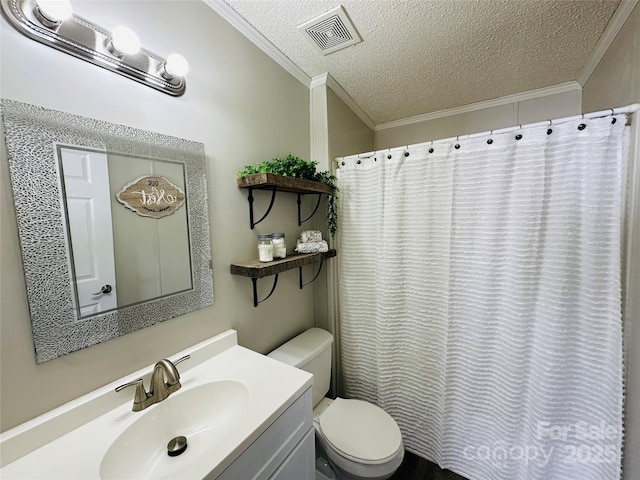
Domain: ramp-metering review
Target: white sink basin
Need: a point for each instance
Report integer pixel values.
(229, 397)
(203, 414)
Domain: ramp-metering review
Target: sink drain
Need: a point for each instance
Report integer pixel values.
(177, 446)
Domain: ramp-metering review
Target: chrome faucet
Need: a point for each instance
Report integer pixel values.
(165, 380)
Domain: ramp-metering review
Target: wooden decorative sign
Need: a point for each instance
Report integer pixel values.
(152, 196)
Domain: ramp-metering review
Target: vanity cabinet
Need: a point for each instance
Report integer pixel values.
(285, 451)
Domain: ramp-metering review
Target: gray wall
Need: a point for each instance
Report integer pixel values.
(241, 105)
(347, 133)
(508, 115)
(616, 83)
(616, 80)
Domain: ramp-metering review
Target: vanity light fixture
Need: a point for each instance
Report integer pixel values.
(174, 68)
(53, 23)
(123, 41)
(51, 13)
(176, 65)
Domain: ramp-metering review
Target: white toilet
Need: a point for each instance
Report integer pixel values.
(361, 440)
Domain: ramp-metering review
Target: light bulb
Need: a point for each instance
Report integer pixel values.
(125, 41)
(176, 65)
(54, 11)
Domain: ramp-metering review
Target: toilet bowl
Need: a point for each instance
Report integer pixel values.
(360, 440)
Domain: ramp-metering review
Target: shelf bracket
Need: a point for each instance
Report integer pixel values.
(273, 197)
(300, 222)
(255, 290)
(313, 279)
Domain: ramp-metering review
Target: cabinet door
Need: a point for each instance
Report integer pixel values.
(270, 450)
(300, 465)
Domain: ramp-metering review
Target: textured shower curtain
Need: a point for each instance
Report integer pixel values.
(480, 298)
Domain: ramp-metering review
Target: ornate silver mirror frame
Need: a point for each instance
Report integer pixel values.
(31, 135)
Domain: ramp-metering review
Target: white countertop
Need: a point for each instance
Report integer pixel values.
(77, 453)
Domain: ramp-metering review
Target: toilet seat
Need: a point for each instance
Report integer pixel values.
(360, 431)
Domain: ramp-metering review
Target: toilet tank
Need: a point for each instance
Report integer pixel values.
(311, 352)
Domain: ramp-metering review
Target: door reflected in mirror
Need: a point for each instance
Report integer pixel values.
(121, 256)
(113, 224)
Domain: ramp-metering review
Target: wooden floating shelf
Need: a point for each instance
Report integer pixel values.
(257, 269)
(267, 181)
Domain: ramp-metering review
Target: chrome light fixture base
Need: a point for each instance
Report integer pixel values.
(88, 41)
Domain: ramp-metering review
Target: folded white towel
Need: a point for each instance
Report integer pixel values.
(311, 236)
(312, 247)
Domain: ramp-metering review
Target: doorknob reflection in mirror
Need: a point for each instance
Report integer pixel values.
(105, 289)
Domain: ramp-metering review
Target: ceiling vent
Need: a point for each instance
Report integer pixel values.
(331, 31)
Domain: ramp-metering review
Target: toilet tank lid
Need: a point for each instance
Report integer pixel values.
(303, 348)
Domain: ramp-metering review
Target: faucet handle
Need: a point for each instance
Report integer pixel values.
(182, 359)
(172, 373)
(140, 398)
(137, 382)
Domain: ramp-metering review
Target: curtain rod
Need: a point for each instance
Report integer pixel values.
(634, 107)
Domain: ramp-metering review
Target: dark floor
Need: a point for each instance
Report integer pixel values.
(416, 468)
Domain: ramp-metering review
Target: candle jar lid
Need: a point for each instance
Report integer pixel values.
(277, 235)
(264, 237)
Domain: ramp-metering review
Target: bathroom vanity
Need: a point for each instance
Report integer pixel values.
(286, 450)
(244, 416)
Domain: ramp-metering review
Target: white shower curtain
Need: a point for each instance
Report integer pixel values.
(480, 298)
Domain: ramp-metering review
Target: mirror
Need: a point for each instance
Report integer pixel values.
(113, 225)
(127, 226)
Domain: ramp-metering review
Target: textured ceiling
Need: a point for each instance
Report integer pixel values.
(421, 56)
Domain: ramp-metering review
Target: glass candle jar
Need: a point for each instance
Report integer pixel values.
(279, 245)
(265, 248)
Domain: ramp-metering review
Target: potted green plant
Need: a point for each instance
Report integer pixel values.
(293, 166)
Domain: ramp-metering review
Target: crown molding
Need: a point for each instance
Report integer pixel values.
(350, 102)
(245, 28)
(608, 36)
(472, 107)
(330, 82)
(319, 80)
